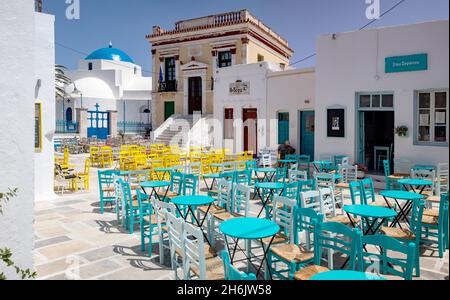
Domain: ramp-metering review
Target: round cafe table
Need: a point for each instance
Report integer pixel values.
(154, 186)
(249, 229)
(415, 185)
(405, 209)
(374, 216)
(269, 173)
(191, 203)
(269, 189)
(345, 275)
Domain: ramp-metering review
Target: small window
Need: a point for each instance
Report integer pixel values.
(364, 101)
(90, 66)
(260, 58)
(376, 101)
(387, 101)
(431, 118)
(170, 69)
(225, 59)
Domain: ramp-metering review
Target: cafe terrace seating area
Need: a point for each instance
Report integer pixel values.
(211, 214)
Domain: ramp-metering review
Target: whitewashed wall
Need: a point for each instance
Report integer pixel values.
(44, 62)
(17, 88)
(290, 91)
(350, 63)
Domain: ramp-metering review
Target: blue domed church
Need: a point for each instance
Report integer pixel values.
(108, 95)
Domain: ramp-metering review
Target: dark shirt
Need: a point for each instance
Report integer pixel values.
(284, 150)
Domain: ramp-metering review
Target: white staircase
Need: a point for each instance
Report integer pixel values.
(183, 131)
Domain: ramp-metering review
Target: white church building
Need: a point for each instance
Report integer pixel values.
(109, 93)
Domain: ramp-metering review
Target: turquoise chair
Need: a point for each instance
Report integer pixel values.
(281, 175)
(243, 177)
(190, 182)
(293, 189)
(106, 187)
(228, 176)
(384, 263)
(147, 221)
(391, 183)
(331, 236)
(304, 164)
(413, 234)
(294, 256)
(132, 208)
(356, 193)
(231, 273)
(119, 204)
(437, 227)
(176, 187)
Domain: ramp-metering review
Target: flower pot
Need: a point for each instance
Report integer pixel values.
(361, 174)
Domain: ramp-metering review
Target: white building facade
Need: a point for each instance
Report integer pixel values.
(259, 106)
(371, 82)
(27, 92)
(110, 92)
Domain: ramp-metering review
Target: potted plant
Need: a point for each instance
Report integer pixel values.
(401, 131)
(362, 170)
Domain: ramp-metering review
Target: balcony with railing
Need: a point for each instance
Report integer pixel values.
(168, 86)
(63, 126)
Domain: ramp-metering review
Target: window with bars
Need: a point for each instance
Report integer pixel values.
(225, 59)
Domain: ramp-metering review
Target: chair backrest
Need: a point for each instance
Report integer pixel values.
(387, 168)
(176, 182)
(106, 183)
(175, 231)
(341, 160)
(292, 191)
(161, 210)
(311, 199)
(416, 217)
(348, 173)
(243, 177)
(179, 169)
(231, 273)
(195, 168)
(368, 190)
(442, 178)
(324, 180)
(266, 160)
(328, 201)
(251, 165)
(307, 219)
(87, 166)
(190, 182)
(228, 167)
(388, 255)
(126, 193)
(138, 176)
(295, 175)
(241, 200)
(225, 191)
(194, 250)
(284, 215)
(356, 193)
(280, 174)
(339, 238)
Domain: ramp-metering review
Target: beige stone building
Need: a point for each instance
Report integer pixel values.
(187, 57)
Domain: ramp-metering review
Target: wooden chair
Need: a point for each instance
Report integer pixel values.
(231, 273)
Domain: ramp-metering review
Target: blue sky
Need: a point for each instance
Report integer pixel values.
(126, 22)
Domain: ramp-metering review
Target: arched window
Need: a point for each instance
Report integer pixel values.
(69, 115)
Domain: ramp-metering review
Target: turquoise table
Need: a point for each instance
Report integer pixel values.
(248, 229)
(269, 189)
(154, 185)
(269, 173)
(415, 184)
(403, 210)
(164, 171)
(191, 203)
(345, 275)
(374, 216)
(322, 165)
(423, 167)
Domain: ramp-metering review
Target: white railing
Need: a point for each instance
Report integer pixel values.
(163, 127)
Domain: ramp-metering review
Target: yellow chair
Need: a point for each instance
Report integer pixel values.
(141, 162)
(95, 156)
(84, 176)
(107, 158)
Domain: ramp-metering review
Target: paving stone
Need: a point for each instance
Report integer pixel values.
(98, 268)
(52, 241)
(65, 249)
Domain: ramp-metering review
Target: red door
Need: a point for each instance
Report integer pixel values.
(250, 117)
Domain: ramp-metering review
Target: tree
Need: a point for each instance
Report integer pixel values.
(61, 81)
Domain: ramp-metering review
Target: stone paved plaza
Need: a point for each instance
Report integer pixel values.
(74, 241)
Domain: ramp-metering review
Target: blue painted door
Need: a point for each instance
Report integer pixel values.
(307, 131)
(98, 123)
(283, 128)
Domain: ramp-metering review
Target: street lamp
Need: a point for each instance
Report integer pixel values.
(78, 92)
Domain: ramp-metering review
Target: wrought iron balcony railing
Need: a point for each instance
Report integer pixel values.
(168, 86)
